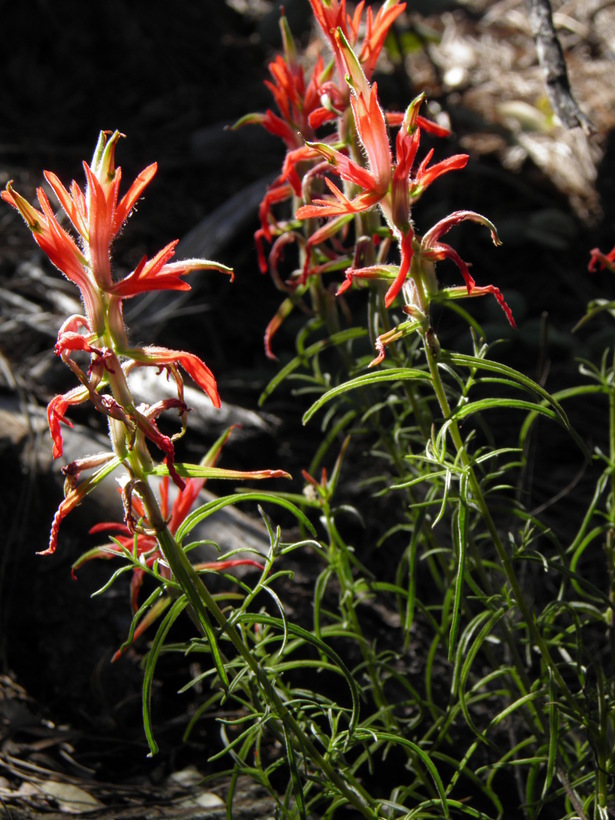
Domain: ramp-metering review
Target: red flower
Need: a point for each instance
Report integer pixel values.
(97, 215)
(371, 127)
(431, 249)
(393, 189)
(56, 413)
(163, 357)
(59, 246)
(332, 15)
(435, 250)
(147, 545)
(74, 493)
(604, 261)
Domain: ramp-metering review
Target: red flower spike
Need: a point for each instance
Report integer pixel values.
(98, 216)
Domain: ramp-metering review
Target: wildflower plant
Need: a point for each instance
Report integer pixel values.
(97, 215)
(493, 675)
(347, 198)
(153, 538)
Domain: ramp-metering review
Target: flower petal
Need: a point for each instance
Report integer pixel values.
(56, 410)
(156, 274)
(194, 367)
(129, 199)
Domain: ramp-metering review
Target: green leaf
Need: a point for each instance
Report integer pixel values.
(306, 354)
(522, 381)
(302, 634)
(460, 537)
(393, 374)
(203, 512)
(150, 667)
(204, 471)
(425, 759)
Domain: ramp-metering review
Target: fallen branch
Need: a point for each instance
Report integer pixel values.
(551, 58)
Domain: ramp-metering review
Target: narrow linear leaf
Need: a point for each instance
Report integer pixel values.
(425, 760)
(303, 634)
(460, 535)
(219, 503)
(523, 381)
(553, 713)
(150, 667)
(367, 380)
(204, 471)
(306, 354)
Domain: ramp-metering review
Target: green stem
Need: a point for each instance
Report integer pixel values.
(505, 560)
(603, 751)
(204, 605)
(338, 557)
(610, 538)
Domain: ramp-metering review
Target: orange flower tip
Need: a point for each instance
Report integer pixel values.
(268, 349)
(27, 211)
(343, 287)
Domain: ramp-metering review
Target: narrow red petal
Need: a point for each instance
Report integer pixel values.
(129, 199)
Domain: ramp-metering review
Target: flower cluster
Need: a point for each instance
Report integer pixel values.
(350, 173)
(97, 214)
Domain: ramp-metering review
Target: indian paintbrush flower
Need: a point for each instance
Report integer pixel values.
(394, 187)
(97, 214)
